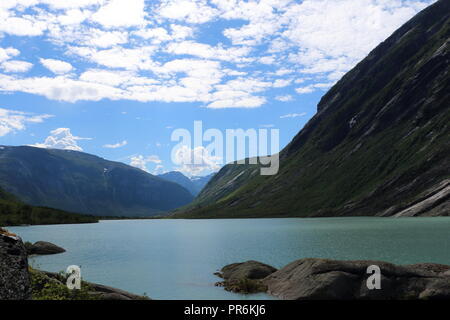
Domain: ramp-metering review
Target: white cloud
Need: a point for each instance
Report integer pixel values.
(293, 115)
(8, 53)
(56, 66)
(161, 50)
(61, 138)
(12, 120)
(120, 13)
(280, 83)
(116, 145)
(235, 54)
(60, 88)
(313, 87)
(285, 98)
(118, 57)
(194, 162)
(16, 66)
(140, 161)
(192, 11)
(304, 90)
(21, 26)
(105, 39)
(283, 72)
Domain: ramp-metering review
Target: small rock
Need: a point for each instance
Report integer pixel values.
(44, 247)
(247, 270)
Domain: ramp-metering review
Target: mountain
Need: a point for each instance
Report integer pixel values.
(79, 182)
(14, 212)
(201, 181)
(379, 143)
(194, 184)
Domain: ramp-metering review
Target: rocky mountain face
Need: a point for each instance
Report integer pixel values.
(83, 183)
(378, 145)
(193, 184)
(14, 277)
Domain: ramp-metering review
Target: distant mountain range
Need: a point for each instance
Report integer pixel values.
(79, 182)
(378, 145)
(194, 184)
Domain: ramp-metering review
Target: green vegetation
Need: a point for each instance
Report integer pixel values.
(243, 286)
(79, 182)
(379, 141)
(14, 212)
(45, 288)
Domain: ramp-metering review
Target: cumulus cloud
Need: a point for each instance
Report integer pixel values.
(192, 11)
(120, 13)
(141, 161)
(16, 66)
(12, 120)
(61, 138)
(116, 145)
(56, 66)
(196, 161)
(8, 53)
(157, 50)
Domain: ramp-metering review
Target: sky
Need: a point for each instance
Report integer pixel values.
(114, 78)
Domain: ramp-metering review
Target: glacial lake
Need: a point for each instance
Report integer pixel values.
(176, 259)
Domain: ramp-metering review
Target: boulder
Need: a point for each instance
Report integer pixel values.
(14, 277)
(44, 247)
(244, 277)
(323, 279)
(249, 269)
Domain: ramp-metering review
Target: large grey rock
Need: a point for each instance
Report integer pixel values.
(44, 247)
(14, 277)
(317, 279)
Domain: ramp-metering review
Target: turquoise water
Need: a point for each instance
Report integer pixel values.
(176, 259)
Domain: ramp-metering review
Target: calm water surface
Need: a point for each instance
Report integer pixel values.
(176, 259)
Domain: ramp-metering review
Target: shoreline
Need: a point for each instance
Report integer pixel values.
(234, 218)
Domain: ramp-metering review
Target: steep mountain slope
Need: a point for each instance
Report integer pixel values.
(80, 182)
(378, 145)
(194, 184)
(181, 179)
(201, 181)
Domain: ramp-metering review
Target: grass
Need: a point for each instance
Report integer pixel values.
(45, 288)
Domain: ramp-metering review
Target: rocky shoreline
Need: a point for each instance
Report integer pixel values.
(18, 281)
(304, 279)
(324, 279)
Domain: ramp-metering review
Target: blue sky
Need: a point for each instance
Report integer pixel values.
(115, 77)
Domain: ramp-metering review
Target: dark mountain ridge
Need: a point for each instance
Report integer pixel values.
(83, 183)
(378, 145)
